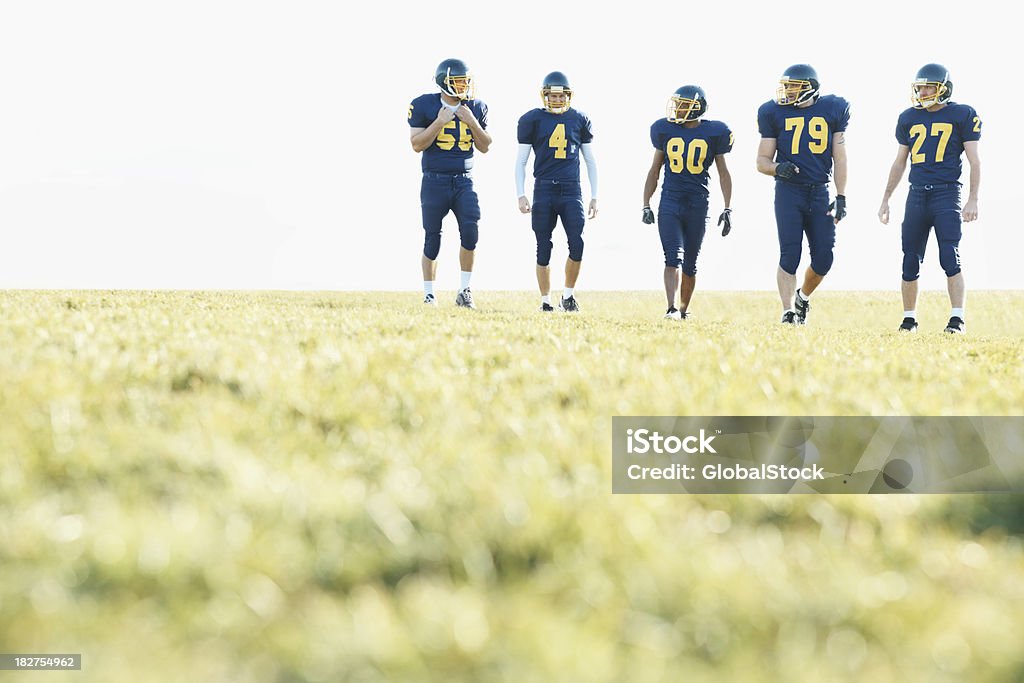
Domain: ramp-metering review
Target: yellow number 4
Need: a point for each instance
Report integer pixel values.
(557, 141)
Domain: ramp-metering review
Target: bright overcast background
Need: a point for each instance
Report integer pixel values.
(222, 144)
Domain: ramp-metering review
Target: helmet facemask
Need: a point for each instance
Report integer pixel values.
(683, 109)
(942, 93)
(556, 107)
(457, 86)
(795, 91)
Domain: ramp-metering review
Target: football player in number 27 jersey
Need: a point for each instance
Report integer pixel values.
(933, 134)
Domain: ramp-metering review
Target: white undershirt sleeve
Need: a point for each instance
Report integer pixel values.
(588, 156)
(521, 159)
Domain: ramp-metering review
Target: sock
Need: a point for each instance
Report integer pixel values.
(465, 280)
(428, 287)
(958, 313)
(910, 314)
(567, 292)
(800, 293)
(546, 299)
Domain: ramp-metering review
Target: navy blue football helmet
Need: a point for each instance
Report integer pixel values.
(453, 78)
(798, 84)
(931, 75)
(687, 103)
(556, 82)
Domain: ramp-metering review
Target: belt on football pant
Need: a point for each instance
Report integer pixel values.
(445, 176)
(929, 187)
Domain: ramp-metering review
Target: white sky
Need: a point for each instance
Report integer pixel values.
(223, 144)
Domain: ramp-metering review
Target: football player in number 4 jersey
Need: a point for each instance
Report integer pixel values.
(558, 135)
(802, 134)
(446, 127)
(933, 134)
(684, 145)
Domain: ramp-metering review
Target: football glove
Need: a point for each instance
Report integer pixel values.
(725, 220)
(838, 208)
(648, 216)
(785, 169)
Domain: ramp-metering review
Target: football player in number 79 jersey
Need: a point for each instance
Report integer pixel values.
(802, 134)
(933, 134)
(685, 144)
(558, 135)
(446, 127)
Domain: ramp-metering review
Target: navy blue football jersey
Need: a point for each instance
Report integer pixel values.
(936, 141)
(804, 136)
(689, 152)
(556, 140)
(452, 151)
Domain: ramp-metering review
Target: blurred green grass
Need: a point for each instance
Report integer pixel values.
(275, 486)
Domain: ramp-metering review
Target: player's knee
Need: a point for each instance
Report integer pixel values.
(689, 268)
(468, 236)
(673, 259)
(544, 248)
(789, 260)
(821, 262)
(432, 246)
(911, 267)
(949, 259)
(576, 248)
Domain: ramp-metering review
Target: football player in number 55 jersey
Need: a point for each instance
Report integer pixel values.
(933, 134)
(558, 135)
(446, 127)
(802, 134)
(685, 144)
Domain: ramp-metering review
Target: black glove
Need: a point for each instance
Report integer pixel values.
(838, 208)
(726, 218)
(648, 215)
(785, 169)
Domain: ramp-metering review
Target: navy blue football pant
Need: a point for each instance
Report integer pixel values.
(799, 210)
(938, 207)
(441, 193)
(682, 221)
(554, 199)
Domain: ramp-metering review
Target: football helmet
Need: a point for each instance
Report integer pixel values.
(934, 75)
(556, 82)
(453, 78)
(798, 84)
(687, 103)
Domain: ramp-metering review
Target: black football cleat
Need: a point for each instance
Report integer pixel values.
(803, 307)
(570, 306)
(956, 326)
(908, 325)
(547, 308)
(789, 318)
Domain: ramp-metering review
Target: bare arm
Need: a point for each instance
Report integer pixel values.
(481, 138)
(652, 176)
(899, 166)
(839, 161)
(724, 178)
(422, 138)
(970, 211)
(766, 156)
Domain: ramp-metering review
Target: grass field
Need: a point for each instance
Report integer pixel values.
(353, 487)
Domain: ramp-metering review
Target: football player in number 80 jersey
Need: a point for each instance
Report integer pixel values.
(558, 136)
(685, 143)
(933, 134)
(802, 134)
(446, 127)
